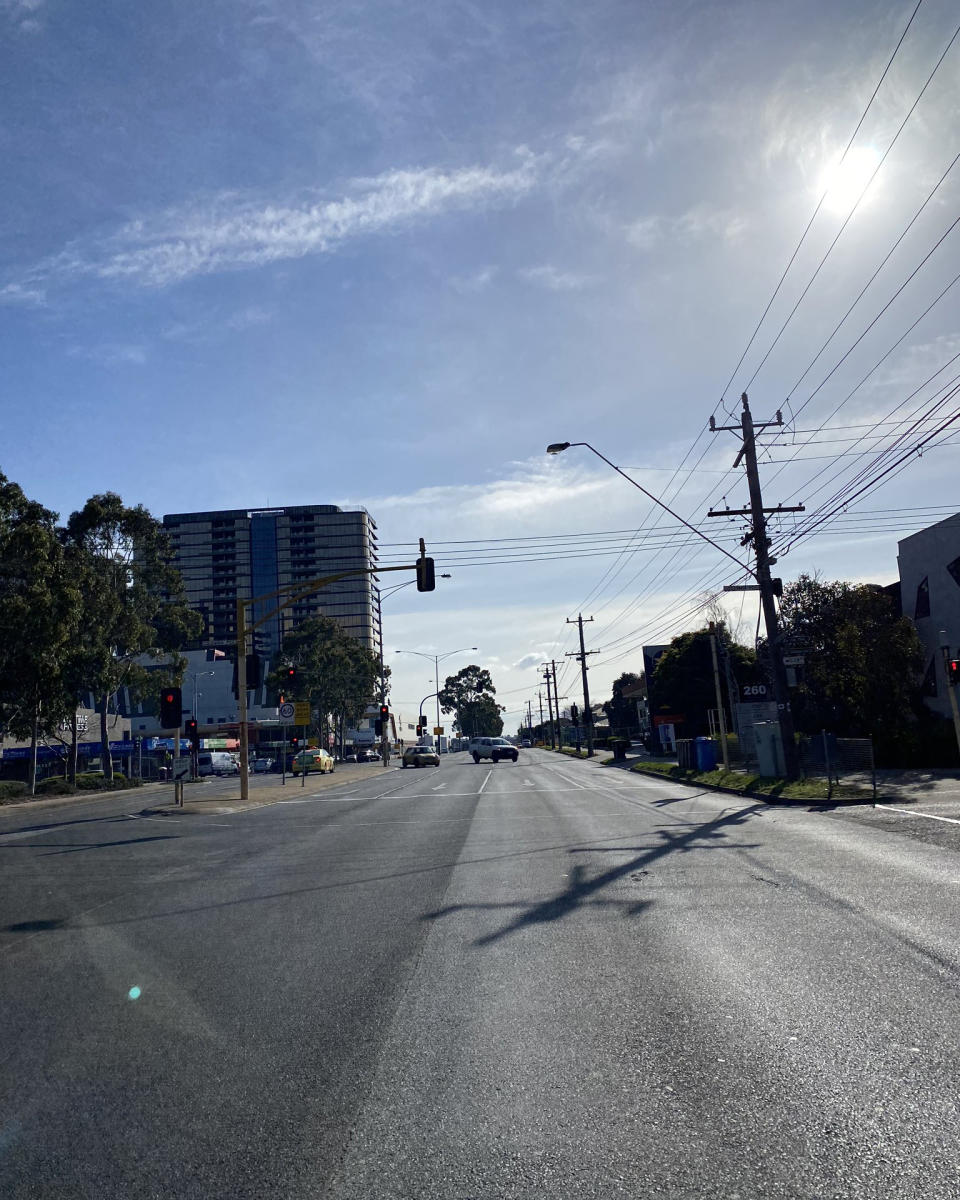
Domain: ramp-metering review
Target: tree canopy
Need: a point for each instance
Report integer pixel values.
(335, 673)
(683, 682)
(862, 664)
(470, 695)
(622, 711)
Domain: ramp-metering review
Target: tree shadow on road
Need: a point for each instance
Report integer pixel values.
(582, 890)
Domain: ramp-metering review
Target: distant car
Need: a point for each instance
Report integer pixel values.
(526, 742)
(420, 756)
(494, 749)
(262, 766)
(320, 761)
(367, 755)
(216, 762)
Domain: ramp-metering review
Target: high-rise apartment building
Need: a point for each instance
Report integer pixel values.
(223, 556)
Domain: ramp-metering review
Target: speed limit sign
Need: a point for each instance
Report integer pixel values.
(286, 711)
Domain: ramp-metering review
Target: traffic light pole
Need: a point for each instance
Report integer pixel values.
(951, 686)
(291, 595)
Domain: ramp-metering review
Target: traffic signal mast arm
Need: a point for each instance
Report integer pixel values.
(293, 593)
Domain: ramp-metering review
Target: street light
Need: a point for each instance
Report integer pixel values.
(559, 447)
(381, 596)
(437, 659)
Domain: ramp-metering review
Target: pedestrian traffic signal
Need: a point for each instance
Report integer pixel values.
(378, 727)
(193, 733)
(953, 671)
(171, 708)
(426, 580)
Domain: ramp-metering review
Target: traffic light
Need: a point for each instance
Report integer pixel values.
(193, 733)
(288, 677)
(254, 670)
(953, 671)
(171, 708)
(294, 743)
(574, 715)
(426, 581)
(384, 712)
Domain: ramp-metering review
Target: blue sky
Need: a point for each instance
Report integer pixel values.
(382, 253)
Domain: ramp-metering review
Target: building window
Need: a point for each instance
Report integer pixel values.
(922, 607)
(954, 569)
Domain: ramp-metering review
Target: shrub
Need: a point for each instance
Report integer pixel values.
(54, 786)
(10, 788)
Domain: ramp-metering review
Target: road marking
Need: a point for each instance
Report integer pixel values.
(484, 784)
(438, 787)
(529, 783)
(911, 813)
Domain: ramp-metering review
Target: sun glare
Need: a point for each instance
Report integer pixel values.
(844, 181)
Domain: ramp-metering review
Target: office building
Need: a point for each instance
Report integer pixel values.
(243, 553)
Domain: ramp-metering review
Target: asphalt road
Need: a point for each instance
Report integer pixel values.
(479, 982)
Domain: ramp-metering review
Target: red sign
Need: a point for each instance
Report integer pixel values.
(670, 719)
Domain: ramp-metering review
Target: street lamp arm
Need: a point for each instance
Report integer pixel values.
(559, 447)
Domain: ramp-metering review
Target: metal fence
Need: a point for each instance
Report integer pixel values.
(838, 760)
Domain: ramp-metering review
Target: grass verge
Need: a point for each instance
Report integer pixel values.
(755, 785)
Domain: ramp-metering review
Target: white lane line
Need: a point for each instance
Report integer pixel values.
(529, 783)
(911, 813)
(438, 787)
(484, 784)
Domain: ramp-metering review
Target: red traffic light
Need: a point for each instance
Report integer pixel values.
(384, 711)
(953, 671)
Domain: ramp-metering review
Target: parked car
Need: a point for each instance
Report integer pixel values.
(367, 755)
(262, 766)
(526, 742)
(420, 756)
(313, 761)
(494, 749)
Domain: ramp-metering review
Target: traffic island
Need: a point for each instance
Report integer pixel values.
(261, 796)
(758, 787)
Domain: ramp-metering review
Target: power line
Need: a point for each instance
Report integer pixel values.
(803, 236)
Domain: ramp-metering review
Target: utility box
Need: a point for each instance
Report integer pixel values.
(769, 749)
(706, 753)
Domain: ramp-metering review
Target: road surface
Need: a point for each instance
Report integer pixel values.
(547, 979)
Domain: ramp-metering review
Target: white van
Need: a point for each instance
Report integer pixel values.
(216, 762)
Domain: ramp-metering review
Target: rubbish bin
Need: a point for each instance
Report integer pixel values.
(620, 751)
(706, 752)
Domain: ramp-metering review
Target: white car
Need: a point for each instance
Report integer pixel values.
(493, 748)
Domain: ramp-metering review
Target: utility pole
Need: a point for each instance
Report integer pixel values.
(768, 587)
(582, 659)
(546, 676)
(540, 700)
(529, 722)
(556, 703)
(716, 683)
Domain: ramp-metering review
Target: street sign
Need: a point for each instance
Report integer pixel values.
(287, 711)
(301, 712)
(793, 660)
(181, 768)
(438, 730)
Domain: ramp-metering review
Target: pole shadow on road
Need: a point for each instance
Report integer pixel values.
(582, 890)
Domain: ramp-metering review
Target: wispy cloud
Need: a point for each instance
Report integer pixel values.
(553, 279)
(477, 282)
(697, 224)
(528, 660)
(111, 354)
(23, 14)
(234, 231)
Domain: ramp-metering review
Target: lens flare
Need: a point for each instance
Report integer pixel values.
(133, 994)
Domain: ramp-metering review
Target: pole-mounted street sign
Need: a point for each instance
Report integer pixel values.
(287, 711)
